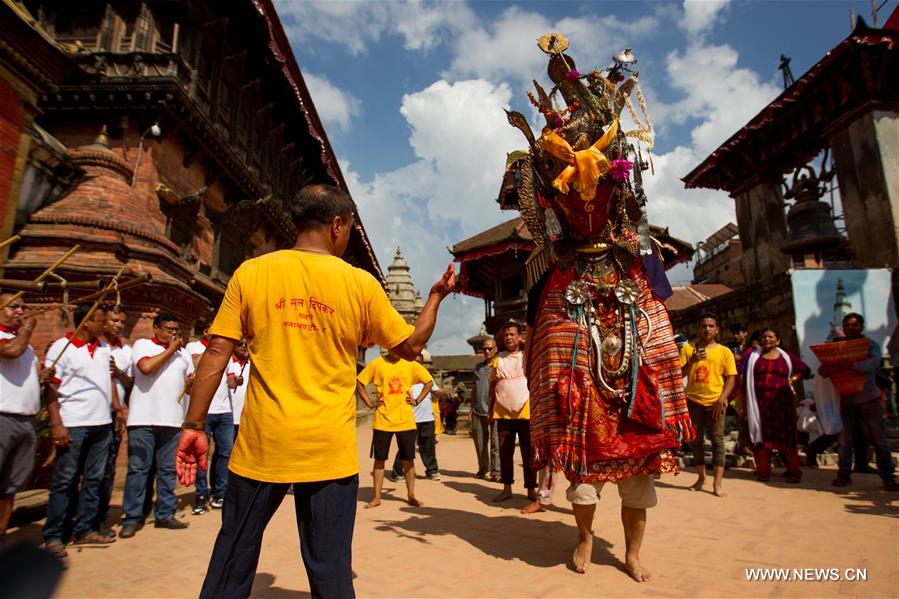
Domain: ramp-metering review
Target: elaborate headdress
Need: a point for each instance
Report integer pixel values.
(582, 159)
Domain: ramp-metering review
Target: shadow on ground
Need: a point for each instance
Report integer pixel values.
(544, 544)
(264, 588)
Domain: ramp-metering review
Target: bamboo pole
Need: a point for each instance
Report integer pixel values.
(90, 313)
(144, 278)
(42, 276)
(9, 241)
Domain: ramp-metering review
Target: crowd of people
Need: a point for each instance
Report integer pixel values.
(95, 387)
(172, 400)
(758, 378)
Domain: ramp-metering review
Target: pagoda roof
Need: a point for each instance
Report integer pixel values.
(855, 77)
(458, 362)
(685, 296)
(512, 234)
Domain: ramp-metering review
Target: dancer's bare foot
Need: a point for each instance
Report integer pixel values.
(532, 508)
(718, 491)
(414, 502)
(502, 496)
(636, 569)
(373, 503)
(697, 486)
(532, 495)
(582, 555)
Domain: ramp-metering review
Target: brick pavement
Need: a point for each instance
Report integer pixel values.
(462, 545)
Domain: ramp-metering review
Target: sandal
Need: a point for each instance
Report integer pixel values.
(94, 538)
(841, 482)
(57, 548)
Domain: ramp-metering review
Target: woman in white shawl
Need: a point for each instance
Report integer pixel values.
(768, 374)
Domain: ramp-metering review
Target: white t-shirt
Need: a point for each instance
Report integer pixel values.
(20, 390)
(424, 411)
(158, 399)
(121, 353)
(85, 385)
(238, 396)
(221, 401)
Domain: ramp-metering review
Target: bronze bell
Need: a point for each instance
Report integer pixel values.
(811, 229)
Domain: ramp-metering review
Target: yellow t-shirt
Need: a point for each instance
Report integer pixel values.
(394, 379)
(305, 315)
(705, 378)
(500, 412)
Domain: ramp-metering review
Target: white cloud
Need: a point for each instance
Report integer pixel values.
(460, 138)
(507, 48)
(720, 94)
(335, 106)
(700, 15)
(356, 25)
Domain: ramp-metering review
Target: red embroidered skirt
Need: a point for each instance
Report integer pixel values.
(598, 441)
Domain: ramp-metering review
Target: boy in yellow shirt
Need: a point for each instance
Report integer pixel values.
(305, 313)
(711, 373)
(394, 417)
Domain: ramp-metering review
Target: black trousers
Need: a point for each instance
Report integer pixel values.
(427, 449)
(507, 431)
(326, 514)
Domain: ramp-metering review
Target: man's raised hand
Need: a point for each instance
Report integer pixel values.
(446, 284)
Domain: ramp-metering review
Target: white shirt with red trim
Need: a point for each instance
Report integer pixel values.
(20, 389)
(85, 385)
(221, 401)
(158, 399)
(121, 353)
(238, 395)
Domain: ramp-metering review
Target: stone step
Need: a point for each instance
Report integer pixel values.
(732, 460)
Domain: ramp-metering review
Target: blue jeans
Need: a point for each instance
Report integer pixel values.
(145, 443)
(219, 428)
(86, 455)
(108, 477)
(326, 515)
(866, 418)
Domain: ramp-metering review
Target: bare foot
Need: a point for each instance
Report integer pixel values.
(636, 570)
(697, 486)
(502, 496)
(532, 508)
(582, 554)
(718, 491)
(532, 495)
(415, 502)
(372, 503)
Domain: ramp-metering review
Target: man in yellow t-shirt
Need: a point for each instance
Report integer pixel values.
(711, 373)
(393, 379)
(305, 312)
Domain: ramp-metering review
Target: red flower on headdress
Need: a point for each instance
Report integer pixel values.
(621, 169)
(572, 76)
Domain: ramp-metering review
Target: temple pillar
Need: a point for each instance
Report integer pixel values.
(763, 229)
(866, 156)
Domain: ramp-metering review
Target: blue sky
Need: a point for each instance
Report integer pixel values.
(411, 96)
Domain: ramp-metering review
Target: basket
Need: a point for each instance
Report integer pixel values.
(847, 381)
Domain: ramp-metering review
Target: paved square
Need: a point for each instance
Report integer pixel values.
(463, 545)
